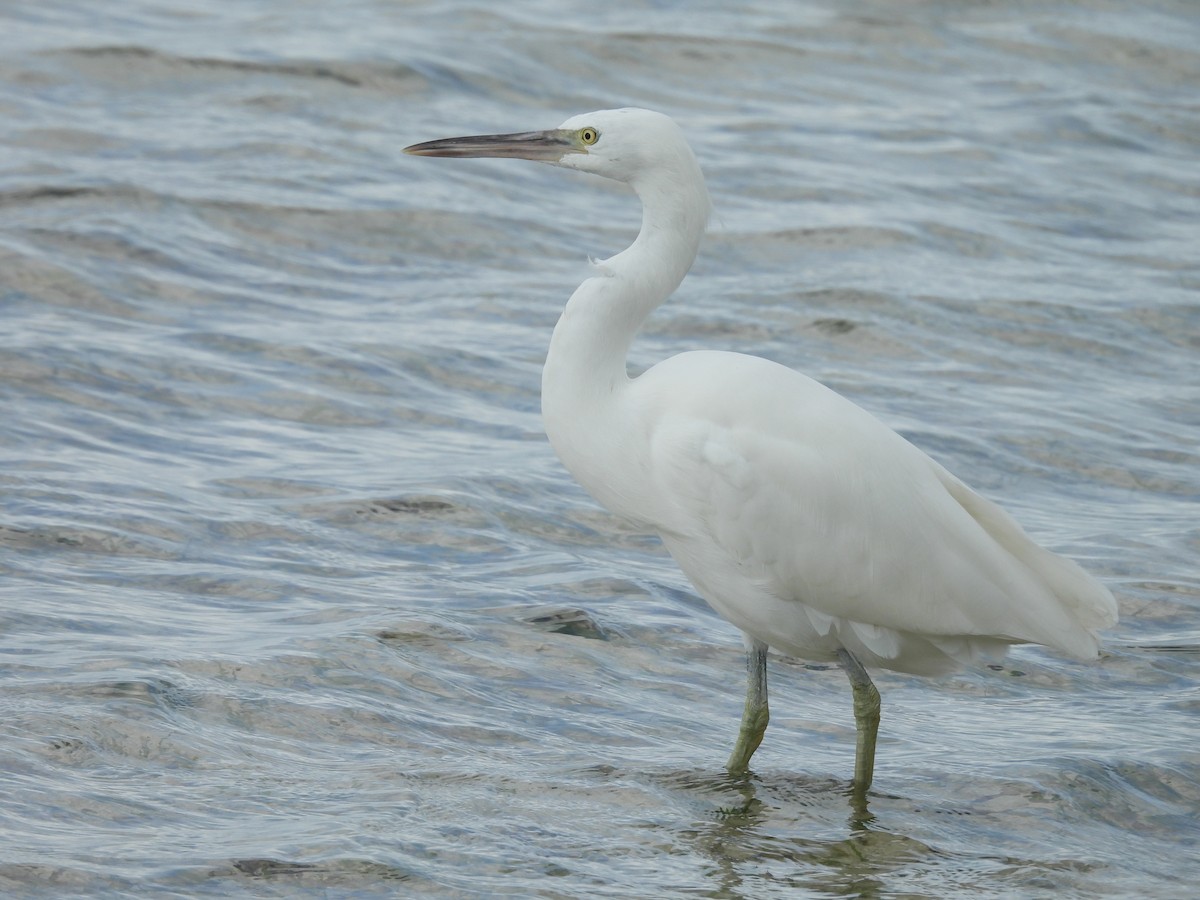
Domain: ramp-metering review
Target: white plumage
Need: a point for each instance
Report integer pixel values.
(798, 516)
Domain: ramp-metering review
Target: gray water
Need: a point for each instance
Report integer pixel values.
(297, 600)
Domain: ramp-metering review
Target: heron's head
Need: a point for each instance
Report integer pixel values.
(624, 144)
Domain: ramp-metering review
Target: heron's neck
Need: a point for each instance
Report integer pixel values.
(585, 387)
(591, 341)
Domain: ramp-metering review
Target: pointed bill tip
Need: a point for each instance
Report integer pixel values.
(543, 146)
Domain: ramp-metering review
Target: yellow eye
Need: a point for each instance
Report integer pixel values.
(589, 135)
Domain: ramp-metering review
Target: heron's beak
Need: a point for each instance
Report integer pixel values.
(544, 146)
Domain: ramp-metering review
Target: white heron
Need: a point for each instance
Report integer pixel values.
(799, 517)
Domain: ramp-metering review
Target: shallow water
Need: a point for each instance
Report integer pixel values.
(297, 600)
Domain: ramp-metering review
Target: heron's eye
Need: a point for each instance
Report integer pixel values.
(589, 135)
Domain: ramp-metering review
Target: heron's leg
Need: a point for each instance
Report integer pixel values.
(866, 718)
(755, 713)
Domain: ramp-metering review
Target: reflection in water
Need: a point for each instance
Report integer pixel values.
(744, 843)
(787, 833)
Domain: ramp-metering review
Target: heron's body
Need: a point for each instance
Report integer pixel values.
(811, 526)
(798, 516)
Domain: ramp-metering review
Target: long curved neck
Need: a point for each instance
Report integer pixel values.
(591, 341)
(585, 380)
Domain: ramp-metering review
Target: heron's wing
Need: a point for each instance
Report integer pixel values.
(829, 507)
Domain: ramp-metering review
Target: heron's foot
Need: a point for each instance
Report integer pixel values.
(750, 735)
(755, 714)
(866, 719)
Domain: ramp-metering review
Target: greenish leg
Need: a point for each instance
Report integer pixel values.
(866, 718)
(755, 714)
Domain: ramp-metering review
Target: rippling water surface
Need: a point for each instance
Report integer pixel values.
(297, 601)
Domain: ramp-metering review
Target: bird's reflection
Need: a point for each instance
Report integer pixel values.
(816, 834)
